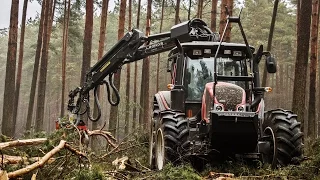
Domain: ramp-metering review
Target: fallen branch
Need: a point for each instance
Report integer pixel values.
(107, 135)
(147, 169)
(120, 143)
(45, 159)
(22, 142)
(38, 164)
(117, 150)
(75, 151)
(7, 159)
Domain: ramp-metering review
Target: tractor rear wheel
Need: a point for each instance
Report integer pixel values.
(170, 134)
(283, 130)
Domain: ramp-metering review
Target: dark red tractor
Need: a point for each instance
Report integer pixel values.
(214, 106)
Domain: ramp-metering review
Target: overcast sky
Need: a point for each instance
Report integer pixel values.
(33, 8)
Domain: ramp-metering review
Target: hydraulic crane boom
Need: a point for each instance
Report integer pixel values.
(132, 47)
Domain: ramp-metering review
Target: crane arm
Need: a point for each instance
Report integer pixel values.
(133, 47)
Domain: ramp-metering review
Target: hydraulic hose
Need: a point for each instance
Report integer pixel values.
(116, 92)
(97, 103)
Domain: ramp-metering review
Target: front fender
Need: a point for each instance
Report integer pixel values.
(163, 99)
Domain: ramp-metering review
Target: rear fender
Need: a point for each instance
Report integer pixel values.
(163, 99)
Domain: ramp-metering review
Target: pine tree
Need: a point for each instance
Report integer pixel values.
(43, 69)
(273, 21)
(36, 68)
(127, 125)
(301, 64)
(230, 10)
(114, 110)
(158, 61)
(134, 124)
(64, 53)
(146, 73)
(312, 128)
(176, 19)
(19, 70)
(87, 41)
(223, 16)
(214, 15)
(102, 38)
(8, 114)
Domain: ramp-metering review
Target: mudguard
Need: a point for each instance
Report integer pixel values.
(163, 99)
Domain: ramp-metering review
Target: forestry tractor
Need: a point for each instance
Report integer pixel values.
(214, 106)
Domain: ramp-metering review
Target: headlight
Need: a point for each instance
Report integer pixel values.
(241, 108)
(218, 107)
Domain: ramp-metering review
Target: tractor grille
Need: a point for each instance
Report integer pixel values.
(229, 95)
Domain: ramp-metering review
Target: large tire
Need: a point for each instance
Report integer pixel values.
(155, 120)
(287, 143)
(171, 132)
(197, 162)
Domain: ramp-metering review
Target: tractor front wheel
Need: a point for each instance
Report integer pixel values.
(152, 138)
(285, 136)
(169, 136)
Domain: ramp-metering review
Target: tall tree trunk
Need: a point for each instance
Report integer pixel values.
(214, 15)
(43, 70)
(223, 19)
(50, 19)
(298, 14)
(312, 128)
(8, 114)
(230, 10)
(301, 64)
(114, 110)
(87, 41)
(158, 61)
(127, 125)
(50, 23)
(146, 73)
(19, 73)
(176, 19)
(201, 9)
(189, 9)
(64, 53)
(87, 45)
(200, 6)
(36, 68)
(102, 37)
(103, 25)
(134, 124)
(273, 22)
(223, 16)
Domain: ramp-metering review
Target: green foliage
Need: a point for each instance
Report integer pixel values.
(92, 174)
(181, 172)
(256, 20)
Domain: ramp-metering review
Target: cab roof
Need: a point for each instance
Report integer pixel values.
(213, 46)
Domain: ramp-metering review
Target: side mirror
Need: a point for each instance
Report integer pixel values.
(271, 64)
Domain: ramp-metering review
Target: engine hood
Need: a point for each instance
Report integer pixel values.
(227, 95)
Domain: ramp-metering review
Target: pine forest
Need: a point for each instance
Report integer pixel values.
(162, 89)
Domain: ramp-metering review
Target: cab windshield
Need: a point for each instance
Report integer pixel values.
(200, 72)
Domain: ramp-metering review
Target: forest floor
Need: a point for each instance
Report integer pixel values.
(128, 160)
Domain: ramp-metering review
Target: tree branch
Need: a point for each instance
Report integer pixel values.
(22, 142)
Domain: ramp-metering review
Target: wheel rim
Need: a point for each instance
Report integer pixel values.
(273, 141)
(151, 146)
(160, 150)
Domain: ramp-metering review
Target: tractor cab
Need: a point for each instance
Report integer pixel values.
(231, 61)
